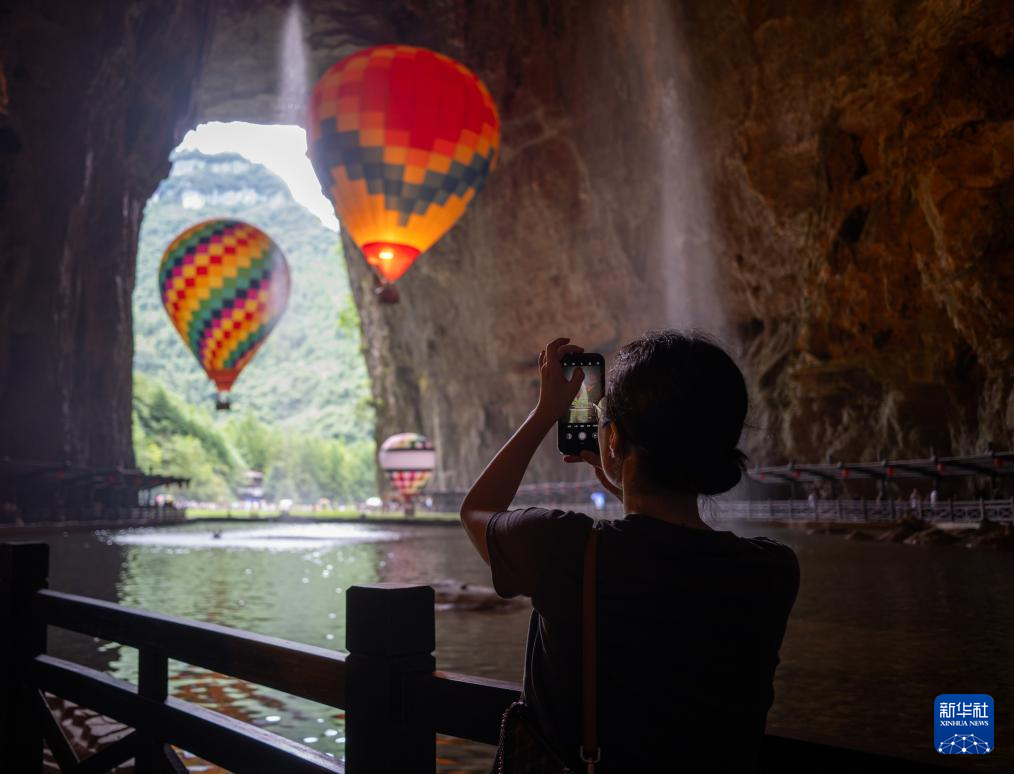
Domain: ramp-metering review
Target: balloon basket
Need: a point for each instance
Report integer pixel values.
(409, 507)
(386, 294)
(222, 402)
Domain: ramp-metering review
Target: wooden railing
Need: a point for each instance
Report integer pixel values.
(395, 702)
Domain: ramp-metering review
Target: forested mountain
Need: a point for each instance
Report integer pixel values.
(309, 379)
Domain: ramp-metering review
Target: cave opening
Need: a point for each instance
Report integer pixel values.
(301, 425)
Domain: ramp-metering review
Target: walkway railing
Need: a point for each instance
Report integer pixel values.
(577, 496)
(395, 701)
(959, 511)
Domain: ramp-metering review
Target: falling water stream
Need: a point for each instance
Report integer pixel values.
(293, 84)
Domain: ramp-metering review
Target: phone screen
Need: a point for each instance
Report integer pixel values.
(584, 408)
(578, 428)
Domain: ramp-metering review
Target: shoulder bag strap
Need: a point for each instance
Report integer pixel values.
(590, 752)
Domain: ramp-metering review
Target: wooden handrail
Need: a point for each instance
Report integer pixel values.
(303, 670)
(230, 743)
(459, 705)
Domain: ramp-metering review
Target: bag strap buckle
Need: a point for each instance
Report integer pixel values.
(593, 758)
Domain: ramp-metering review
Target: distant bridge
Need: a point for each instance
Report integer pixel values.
(865, 511)
(578, 497)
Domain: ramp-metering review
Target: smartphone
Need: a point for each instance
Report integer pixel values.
(578, 429)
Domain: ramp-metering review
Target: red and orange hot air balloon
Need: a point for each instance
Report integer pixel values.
(224, 285)
(402, 139)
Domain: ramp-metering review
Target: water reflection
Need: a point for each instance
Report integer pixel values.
(878, 632)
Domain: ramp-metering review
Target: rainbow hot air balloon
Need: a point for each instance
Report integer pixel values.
(225, 286)
(402, 139)
(408, 460)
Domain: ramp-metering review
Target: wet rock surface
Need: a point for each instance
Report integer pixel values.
(455, 595)
(862, 158)
(828, 186)
(859, 535)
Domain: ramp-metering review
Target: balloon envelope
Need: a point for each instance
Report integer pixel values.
(225, 285)
(408, 460)
(402, 139)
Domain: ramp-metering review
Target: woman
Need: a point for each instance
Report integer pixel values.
(690, 619)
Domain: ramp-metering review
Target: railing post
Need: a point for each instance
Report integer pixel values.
(390, 636)
(152, 684)
(24, 568)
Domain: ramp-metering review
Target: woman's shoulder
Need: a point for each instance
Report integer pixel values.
(773, 554)
(769, 545)
(534, 522)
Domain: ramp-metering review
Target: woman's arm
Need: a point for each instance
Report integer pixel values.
(495, 488)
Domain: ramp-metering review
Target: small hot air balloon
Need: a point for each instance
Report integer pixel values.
(402, 139)
(408, 460)
(225, 285)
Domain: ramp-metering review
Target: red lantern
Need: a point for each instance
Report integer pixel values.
(890, 472)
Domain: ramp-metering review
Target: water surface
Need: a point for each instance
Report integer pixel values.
(879, 630)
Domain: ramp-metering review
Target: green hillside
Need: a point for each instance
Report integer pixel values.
(308, 383)
(173, 436)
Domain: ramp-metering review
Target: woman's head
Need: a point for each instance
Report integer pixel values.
(677, 402)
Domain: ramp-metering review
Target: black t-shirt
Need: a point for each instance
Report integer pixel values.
(689, 626)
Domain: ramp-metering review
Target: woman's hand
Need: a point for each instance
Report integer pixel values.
(555, 391)
(596, 462)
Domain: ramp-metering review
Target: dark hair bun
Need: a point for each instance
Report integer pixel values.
(680, 401)
(715, 476)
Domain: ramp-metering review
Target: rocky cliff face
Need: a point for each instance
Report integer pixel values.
(862, 161)
(94, 99)
(828, 188)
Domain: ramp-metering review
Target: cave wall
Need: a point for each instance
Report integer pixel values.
(95, 96)
(863, 166)
(825, 185)
(855, 246)
(570, 236)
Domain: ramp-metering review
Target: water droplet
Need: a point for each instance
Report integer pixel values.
(310, 739)
(330, 732)
(248, 571)
(320, 720)
(272, 718)
(306, 580)
(332, 616)
(328, 636)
